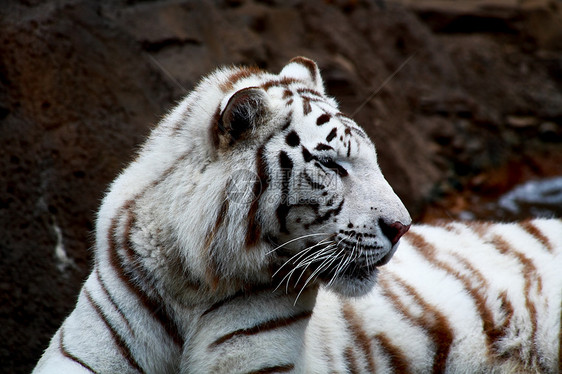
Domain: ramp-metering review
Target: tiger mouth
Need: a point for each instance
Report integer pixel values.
(357, 269)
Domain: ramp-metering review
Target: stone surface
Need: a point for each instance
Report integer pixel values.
(459, 100)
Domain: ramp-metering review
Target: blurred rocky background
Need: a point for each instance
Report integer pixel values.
(463, 100)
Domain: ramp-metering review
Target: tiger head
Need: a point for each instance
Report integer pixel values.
(282, 185)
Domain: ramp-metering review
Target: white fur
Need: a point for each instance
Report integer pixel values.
(184, 282)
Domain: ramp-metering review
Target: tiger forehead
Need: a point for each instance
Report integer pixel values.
(252, 76)
(286, 89)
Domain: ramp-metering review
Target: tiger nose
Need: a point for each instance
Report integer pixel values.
(393, 231)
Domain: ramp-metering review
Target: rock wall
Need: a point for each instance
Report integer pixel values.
(474, 102)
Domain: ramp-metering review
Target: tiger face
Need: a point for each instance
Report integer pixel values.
(308, 180)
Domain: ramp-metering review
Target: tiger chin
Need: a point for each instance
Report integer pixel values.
(249, 236)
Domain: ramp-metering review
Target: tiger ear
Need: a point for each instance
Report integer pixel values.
(243, 112)
(304, 69)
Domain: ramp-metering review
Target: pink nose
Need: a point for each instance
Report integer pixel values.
(393, 231)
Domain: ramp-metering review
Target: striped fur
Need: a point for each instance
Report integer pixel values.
(247, 236)
(456, 298)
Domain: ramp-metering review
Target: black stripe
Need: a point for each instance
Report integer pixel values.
(70, 356)
(313, 184)
(117, 339)
(323, 147)
(324, 118)
(292, 139)
(332, 165)
(306, 154)
(282, 211)
(329, 213)
(263, 327)
(332, 135)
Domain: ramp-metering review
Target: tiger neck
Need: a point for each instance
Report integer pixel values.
(252, 331)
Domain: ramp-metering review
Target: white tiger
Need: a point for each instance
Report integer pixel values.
(246, 238)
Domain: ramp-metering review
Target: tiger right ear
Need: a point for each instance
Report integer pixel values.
(243, 112)
(306, 70)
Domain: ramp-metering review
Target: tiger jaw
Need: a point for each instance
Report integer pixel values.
(343, 262)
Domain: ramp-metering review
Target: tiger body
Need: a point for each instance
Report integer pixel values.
(247, 237)
(456, 298)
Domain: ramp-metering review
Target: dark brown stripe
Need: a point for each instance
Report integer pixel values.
(222, 302)
(241, 73)
(309, 64)
(529, 269)
(274, 369)
(431, 320)
(253, 231)
(309, 91)
(350, 361)
(493, 334)
(211, 270)
(507, 309)
(117, 339)
(535, 232)
(112, 300)
(252, 290)
(478, 295)
(306, 107)
(287, 124)
(354, 325)
(263, 327)
(283, 82)
(398, 360)
(327, 349)
(155, 307)
(115, 262)
(163, 177)
(185, 119)
(70, 356)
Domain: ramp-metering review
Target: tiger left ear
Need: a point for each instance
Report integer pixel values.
(304, 69)
(244, 111)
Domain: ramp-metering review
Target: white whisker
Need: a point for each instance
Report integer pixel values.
(295, 239)
(296, 257)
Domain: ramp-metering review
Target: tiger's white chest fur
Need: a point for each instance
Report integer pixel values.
(247, 237)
